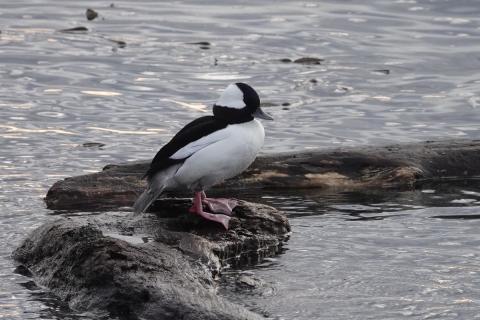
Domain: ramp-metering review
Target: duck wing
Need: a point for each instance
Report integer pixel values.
(194, 136)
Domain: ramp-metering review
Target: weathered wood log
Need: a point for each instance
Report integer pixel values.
(395, 166)
(158, 265)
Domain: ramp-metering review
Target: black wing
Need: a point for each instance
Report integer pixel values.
(191, 132)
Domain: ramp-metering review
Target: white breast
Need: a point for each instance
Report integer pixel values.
(223, 159)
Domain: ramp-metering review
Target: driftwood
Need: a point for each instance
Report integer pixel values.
(396, 166)
(158, 265)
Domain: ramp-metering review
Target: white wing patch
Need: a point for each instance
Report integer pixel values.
(201, 143)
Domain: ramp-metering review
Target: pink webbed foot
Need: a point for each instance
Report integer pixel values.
(197, 208)
(219, 205)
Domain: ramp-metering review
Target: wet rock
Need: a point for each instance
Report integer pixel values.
(286, 60)
(204, 45)
(238, 284)
(200, 43)
(23, 271)
(308, 60)
(342, 89)
(30, 285)
(109, 262)
(400, 166)
(383, 71)
(249, 282)
(93, 145)
(75, 29)
(91, 14)
(121, 44)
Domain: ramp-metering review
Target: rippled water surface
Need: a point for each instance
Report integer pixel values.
(407, 255)
(392, 71)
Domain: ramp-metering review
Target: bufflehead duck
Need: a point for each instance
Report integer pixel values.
(207, 151)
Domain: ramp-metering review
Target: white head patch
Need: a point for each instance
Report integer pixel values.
(232, 97)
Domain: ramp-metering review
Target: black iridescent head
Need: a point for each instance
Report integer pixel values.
(239, 103)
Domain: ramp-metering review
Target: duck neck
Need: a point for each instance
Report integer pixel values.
(231, 115)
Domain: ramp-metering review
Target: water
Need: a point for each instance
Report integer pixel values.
(394, 71)
(372, 256)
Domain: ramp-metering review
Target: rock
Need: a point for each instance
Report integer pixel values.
(399, 166)
(75, 29)
(200, 43)
(121, 44)
(249, 282)
(155, 266)
(204, 45)
(93, 145)
(308, 60)
(383, 71)
(91, 14)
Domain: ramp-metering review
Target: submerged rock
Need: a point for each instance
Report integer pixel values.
(75, 29)
(159, 265)
(308, 60)
(382, 71)
(121, 44)
(201, 43)
(93, 145)
(205, 45)
(249, 282)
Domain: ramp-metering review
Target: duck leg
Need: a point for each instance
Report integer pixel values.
(197, 208)
(220, 205)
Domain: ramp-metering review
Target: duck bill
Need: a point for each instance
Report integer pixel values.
(261, 115)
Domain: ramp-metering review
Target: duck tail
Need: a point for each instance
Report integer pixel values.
(155, 187)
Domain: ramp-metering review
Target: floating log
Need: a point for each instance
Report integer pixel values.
(159, 265)
(399, 166)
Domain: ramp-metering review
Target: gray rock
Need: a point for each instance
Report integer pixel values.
(91, 14)
(159, 265)
(249, 282)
